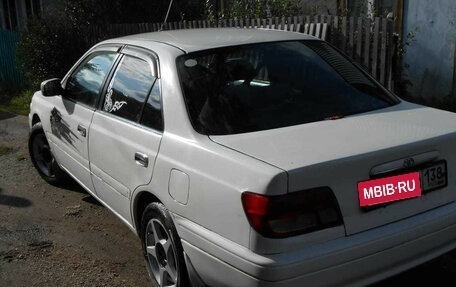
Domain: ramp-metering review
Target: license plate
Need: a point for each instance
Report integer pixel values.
(404, 186)
(433, 177)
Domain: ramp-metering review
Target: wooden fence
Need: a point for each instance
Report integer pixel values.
(10, 73)
(369, 42)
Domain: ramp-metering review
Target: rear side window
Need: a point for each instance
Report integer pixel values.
(131, 91)
(152, 115)
(263, 86)
(84, 85)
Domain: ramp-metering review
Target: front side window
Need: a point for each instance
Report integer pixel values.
(129, 89)
(85, 83)
(271, 85)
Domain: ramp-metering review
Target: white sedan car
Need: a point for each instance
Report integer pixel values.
(249, 157)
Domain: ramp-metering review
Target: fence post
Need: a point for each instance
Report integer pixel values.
(375, 47)
(336, 32)
(367, 43)
(390, 55)
(383, 64)
(359, 40)
(344, 34)
(351, 38)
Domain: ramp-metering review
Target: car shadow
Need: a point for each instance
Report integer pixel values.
(71, 185)
(90, 199)
(14, 201)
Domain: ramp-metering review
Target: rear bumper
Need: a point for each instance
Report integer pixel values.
(356, 260)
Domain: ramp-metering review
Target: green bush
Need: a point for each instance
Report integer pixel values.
(16, 102)
(54, 42)
(20, 104)
(50, 46)
(253, 9)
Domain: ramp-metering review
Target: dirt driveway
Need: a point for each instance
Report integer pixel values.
(52, 236)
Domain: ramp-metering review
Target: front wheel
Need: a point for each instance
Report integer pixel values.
(42, 158)
(162, 248)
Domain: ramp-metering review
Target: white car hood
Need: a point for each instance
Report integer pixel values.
(303, 145)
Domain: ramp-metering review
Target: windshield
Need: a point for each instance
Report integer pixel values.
(271, 85)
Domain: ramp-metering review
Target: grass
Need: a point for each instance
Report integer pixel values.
(5, 150)
(21, 157)
(16, 102)
(21, 103)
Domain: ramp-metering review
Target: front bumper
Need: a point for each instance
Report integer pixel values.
(356, 260)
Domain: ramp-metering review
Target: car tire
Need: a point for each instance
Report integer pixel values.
(42, 157)
(162, 247)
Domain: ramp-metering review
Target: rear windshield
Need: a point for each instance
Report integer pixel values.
(271, 85)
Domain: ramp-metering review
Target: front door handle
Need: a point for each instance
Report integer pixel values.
(141, 159)
(82, 130)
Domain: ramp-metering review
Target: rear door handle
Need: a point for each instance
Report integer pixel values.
(82, 130)
(141, 159)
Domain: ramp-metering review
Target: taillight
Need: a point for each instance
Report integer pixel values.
(292, 214)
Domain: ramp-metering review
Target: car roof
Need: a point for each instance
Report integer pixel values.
(190, 40)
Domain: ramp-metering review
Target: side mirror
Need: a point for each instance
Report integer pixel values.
(51, 88)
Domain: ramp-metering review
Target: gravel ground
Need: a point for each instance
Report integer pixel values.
(53, 236)
(61, 236)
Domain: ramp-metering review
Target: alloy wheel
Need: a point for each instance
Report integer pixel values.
(161, 254)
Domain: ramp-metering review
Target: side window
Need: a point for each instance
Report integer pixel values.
(85, 83)
(129, 88)
(152, 114)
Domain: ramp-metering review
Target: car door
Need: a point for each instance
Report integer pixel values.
(125, 133)
(72, 113)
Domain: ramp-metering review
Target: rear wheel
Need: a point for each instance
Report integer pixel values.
(162, 247)
(42, 158)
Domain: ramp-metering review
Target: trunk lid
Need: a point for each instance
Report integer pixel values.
(341, 153)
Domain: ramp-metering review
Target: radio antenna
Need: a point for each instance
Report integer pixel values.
(167, 13)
